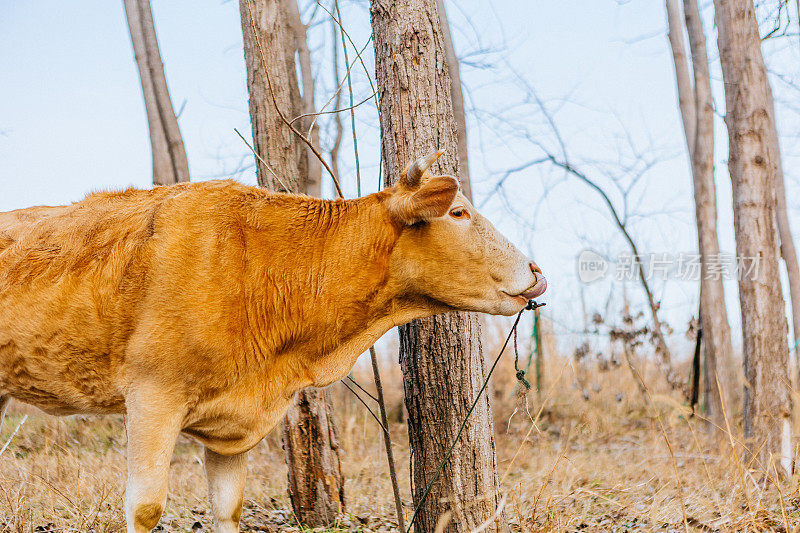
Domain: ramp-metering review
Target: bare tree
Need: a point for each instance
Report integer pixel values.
(686, 97)
(787, 248)
(170, 164)
(337, 117)
(621, 219)
(753, 164)
(441, 354)
(311, 446)
(316, 485)
(269, 43)
(697, 112)
(615, 184)
(457, 98)
(309, 123)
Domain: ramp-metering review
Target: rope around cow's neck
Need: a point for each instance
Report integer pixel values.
(520, 376)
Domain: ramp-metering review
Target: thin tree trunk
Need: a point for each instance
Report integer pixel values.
(696, 104)
(170, 164)
(442, 354)
(718, 350)
(686, 96)
(787, 248)
(337, 117)
(457, 99)
(753, 163)
(309, 122)
(316, 485)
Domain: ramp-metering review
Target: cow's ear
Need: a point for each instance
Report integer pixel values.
(432, 199)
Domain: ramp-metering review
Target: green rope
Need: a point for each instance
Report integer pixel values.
(531, 305)
(534, 336)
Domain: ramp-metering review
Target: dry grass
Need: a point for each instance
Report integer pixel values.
(609, 462)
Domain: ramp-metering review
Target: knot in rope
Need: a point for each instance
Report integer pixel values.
(522, 380)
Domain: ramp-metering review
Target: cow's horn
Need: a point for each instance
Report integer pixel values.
(415, 170)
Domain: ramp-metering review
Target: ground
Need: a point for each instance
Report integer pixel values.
(590, 453)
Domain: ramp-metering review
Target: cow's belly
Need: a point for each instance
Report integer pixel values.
(57, 379)
(234, 422)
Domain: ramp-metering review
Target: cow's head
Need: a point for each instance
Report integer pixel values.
(451, 254)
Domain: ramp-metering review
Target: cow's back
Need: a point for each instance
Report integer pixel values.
(71, 278)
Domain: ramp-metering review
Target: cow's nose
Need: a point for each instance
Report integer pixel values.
(535, 268)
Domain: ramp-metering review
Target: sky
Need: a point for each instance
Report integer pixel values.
(72, 121)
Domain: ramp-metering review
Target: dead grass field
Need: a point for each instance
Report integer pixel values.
(567, 463)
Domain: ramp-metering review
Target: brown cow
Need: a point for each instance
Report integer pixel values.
(203, 307)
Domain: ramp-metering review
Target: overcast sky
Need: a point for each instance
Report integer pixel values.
(72, 118)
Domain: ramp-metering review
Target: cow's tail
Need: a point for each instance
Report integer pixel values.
(4, 400)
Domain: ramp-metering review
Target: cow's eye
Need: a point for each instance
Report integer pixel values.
(459, 212)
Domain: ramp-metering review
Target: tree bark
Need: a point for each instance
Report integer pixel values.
(718, 350)
(309, 122)
(696, 104)
(457, 99)
(316, 485)
(170, 164)
(753, 163)
(311, 446)
(787, 248)
(337, 117)
(268, 41)
(686, 96)
(441, 354)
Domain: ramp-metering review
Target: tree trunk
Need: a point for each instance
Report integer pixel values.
(441, 354)
(268, 42)
(309, 122)
(753, 163)
(316, 485)
(170, 164)
(310, 443)
(696, 104)
(457, 99)
(787, 249)
(686, 96)
(337, 117)
(714, 314)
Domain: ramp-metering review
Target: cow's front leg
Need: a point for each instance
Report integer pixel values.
(153, 425)
(226, 476)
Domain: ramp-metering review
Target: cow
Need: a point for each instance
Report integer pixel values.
(201, 308)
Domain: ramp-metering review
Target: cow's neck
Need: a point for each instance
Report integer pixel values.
(322, 293)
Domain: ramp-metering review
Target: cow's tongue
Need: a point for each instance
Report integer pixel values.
(537, 290)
